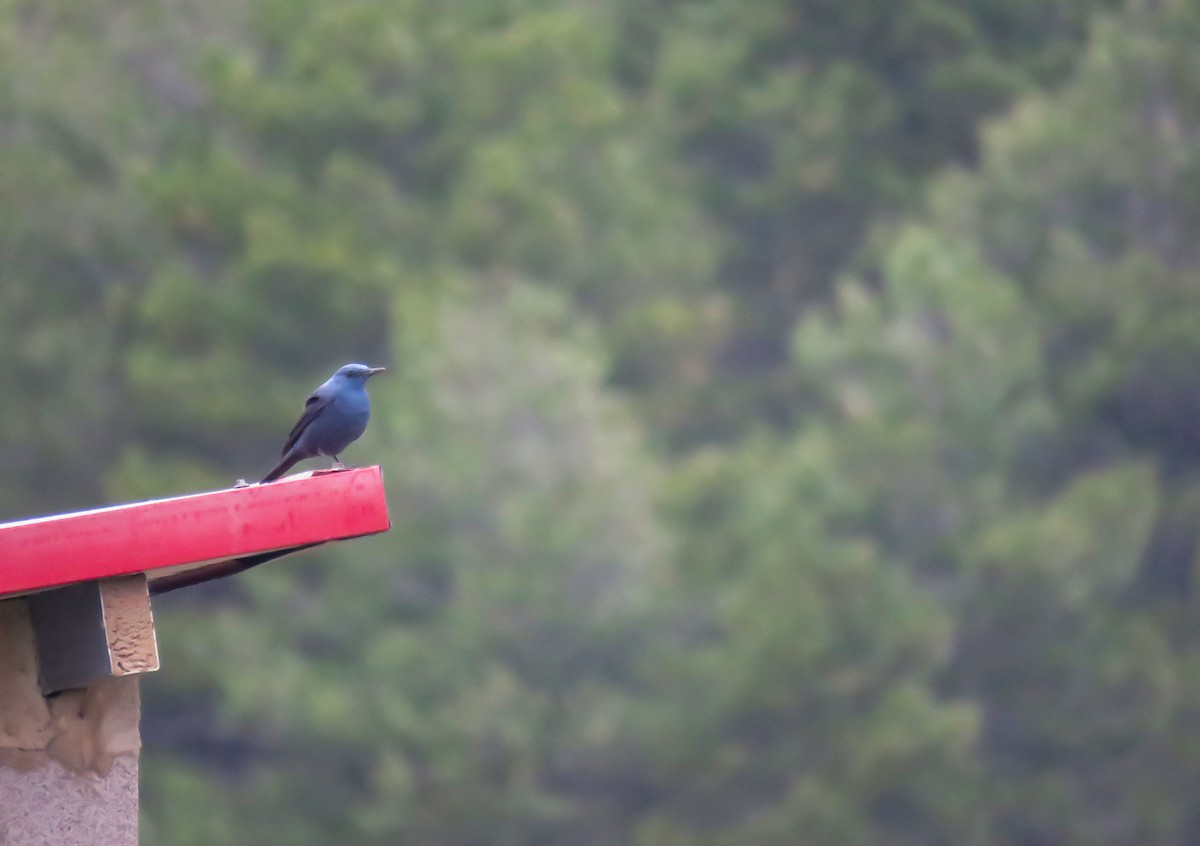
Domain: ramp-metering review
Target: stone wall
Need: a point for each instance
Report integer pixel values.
(68, 763)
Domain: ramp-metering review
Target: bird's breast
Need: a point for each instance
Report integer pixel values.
(352, 407)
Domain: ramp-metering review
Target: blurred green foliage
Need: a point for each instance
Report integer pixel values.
(793, 432)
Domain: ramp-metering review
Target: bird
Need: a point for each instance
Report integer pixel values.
(335, 415)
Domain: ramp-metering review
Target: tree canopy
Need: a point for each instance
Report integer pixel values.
(794, 425)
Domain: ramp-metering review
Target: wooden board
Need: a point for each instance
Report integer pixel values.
(167, 536)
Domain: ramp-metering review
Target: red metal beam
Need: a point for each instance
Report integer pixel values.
(168, 536)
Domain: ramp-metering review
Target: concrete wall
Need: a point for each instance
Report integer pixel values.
(68, 764)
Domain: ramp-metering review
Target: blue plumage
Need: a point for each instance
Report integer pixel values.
(335, 416)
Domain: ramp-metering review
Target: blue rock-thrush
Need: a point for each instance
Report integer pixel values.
(334, 417)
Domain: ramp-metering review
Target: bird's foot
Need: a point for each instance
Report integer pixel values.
(337, 465)
(241, 483)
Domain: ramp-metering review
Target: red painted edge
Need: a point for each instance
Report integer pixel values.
(168, 534)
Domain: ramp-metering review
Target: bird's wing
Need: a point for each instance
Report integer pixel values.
(313, 406)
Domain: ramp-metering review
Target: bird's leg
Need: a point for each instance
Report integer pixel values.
(337, 464)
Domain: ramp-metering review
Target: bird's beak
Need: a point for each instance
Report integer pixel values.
(375, 370)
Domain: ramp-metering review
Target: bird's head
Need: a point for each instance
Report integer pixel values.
(358, 372)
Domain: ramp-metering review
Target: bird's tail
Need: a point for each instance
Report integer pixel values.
(284, 465)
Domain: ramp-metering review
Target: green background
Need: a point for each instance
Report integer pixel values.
(793, 432)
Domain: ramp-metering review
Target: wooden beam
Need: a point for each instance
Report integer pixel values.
(92, 631)
(168, 536)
